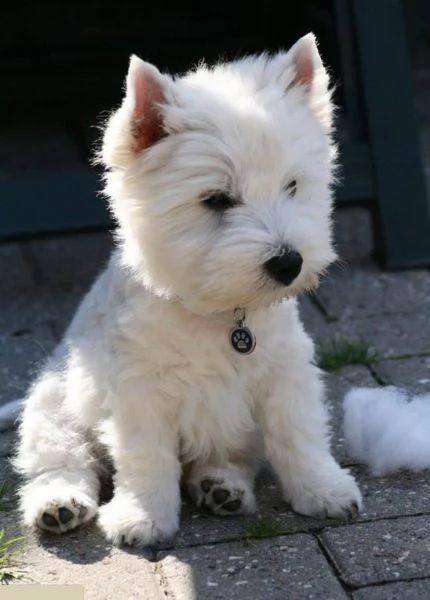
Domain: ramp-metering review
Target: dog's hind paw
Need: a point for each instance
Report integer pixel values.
(222, 492)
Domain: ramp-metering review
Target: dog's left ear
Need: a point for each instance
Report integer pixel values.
(304, 70)
(307, 65)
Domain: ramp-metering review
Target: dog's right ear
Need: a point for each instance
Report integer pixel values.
(146, 93)
(138, 123)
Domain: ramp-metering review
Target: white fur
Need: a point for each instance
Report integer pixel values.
(388, 430)
(146, 376)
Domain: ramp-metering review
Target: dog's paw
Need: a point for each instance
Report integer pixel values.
(222, 492)
(335, 495)
(57, 508)
(125, 522)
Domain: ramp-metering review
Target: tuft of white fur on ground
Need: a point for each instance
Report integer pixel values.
(387, 429)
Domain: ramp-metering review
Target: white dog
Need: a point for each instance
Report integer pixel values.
(189, 345)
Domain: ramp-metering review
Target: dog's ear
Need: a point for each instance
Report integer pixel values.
(145, 92)
(305, 71)
(138, 123)
(307, 63)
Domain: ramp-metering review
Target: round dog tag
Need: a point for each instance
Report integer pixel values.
(242, 340)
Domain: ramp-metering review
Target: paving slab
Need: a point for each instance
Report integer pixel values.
(7, 441)
(21, 356)
(69, 260)
(366, 291)
(381, 551)
(289, 566)
(353, 234)
(411, 590)
(412, 373)
(401, 494)
(312, 318)
(85, 558)
(389, 336)
(23, 310)
(15, 272)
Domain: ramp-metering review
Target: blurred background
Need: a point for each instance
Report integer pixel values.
(63, 66)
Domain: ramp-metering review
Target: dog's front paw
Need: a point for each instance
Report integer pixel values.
(57, 507)
(125, 521)
(332, 494)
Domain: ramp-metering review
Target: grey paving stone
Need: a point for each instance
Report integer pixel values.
(290, 566)
(390, 335)
(24, 310)
(15, 273)
(401, 494)
(412, 373)
(410, 590)
(312, 318)
(366, 291)
(21, 356)
(353, 234)
(7, 474)
(7, 441)
(85, 558)
(392, 550)
(69, 260)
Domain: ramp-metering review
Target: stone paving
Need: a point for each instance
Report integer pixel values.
(276, 554)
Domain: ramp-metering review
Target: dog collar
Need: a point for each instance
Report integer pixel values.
(242, 340)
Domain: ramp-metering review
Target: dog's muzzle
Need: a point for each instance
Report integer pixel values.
(285, 266)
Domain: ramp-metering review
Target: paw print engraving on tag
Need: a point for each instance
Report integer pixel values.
(242, 340)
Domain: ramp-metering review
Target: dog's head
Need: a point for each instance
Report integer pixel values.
(220, 180)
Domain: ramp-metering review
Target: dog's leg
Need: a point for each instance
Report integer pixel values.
(146, 502)
(61, 487)
(294, 421)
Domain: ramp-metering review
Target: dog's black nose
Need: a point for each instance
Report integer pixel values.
(284, 267)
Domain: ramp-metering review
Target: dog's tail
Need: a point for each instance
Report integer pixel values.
(10, 412)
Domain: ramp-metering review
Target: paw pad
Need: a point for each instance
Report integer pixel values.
(220, 495)
(233, 505)
(220, 499)
(59, 519)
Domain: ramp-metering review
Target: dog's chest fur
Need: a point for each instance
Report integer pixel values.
(180, 362)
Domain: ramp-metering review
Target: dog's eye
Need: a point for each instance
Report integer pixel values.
(291, 187)
(219, 202)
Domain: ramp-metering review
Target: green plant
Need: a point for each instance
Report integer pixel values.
(8, 549)
(264, 527)
(338, 353)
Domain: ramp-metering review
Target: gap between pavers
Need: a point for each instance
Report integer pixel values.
(410, 590)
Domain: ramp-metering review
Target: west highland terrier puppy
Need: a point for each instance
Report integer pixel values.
(188, 351)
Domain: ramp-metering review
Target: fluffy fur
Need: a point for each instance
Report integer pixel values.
(146, 378)
(388, 429)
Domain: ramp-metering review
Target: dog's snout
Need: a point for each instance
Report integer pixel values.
(284, 267)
